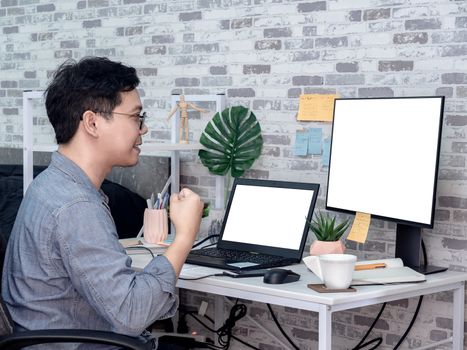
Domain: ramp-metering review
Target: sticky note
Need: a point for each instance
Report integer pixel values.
(360, 227)
(314, 140)
(326, 152)
(301, 143)
(316, 107)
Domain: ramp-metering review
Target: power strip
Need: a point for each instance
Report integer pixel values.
(196, 337)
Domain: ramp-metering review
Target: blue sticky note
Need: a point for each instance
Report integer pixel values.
(301, 143)
(326, 152)
(314, 140)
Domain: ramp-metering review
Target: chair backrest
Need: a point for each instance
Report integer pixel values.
(6, 323)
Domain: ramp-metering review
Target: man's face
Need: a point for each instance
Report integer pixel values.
(122, 136)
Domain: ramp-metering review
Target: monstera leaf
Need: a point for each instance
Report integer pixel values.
(232, 140)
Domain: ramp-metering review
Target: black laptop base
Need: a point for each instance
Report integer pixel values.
(265, 225)
(221, 263)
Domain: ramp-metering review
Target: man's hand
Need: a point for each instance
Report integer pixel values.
(186, 209)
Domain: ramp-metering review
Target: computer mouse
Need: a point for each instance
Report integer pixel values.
(279, 276)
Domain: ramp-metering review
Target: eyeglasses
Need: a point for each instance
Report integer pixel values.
(142, 117)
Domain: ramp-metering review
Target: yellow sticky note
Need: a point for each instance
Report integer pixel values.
(360, 227)
(316, 107)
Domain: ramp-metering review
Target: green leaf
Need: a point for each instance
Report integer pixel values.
(325, 229)
(232, 140)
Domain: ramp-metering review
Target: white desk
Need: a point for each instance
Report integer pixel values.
(297, 295)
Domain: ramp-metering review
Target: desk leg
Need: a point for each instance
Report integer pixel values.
(325, 327)
(458, 318)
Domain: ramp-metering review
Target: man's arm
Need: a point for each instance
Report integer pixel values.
(100, 271)
(186, 210)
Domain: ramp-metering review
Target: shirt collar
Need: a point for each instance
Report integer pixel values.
(70, 168)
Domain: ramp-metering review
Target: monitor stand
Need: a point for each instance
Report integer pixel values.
(408, 247)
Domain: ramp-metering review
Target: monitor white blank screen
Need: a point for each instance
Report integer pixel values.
(384, 155)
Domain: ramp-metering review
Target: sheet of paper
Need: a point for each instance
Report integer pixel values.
(314, 140)
(316, 107)
(132, 245)
(387, 275)
(242, 265)
(360, 227)
(301, 143)
(326, 152)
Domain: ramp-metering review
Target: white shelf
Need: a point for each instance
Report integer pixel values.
(174, 147)
(175, 157)
(44, 148)
(163, 147)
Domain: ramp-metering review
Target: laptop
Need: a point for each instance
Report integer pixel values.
(265, 225)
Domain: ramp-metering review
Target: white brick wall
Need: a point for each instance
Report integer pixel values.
(263, 54)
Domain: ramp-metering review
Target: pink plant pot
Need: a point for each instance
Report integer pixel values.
(323, 247)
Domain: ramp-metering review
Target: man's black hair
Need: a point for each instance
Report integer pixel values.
(93, 83)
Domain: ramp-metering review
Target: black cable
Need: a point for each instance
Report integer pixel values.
(425, 259)
(204, 240)
(237, 312)
(224, 333)
(141, 247)
(379, 340)
(419, 304)
(194, 245)
(192, 314)
(280, 328)
(201, 277)
(208, 246)
(411, 322)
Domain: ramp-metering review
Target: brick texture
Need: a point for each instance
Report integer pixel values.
(263, 54)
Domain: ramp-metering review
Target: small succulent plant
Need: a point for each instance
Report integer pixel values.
(205, 210)
(325, 228)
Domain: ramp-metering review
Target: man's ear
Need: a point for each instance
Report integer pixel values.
(90, 123)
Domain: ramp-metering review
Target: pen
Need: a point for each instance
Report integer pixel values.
(140, 233)
(164, 201)
(166, 186)
(369, 266)
(158, 201)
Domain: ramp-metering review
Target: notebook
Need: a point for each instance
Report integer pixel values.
(265, 225)
(394, 272)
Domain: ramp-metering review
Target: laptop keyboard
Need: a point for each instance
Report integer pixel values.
(238, 255)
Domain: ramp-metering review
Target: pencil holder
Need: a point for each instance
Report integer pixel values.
(156, 225)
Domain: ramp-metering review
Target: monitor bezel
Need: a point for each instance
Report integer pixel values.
(435, 182)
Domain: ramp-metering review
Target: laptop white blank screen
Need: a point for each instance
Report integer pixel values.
(268, 216)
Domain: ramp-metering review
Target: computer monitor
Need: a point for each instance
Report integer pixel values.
(384, 162)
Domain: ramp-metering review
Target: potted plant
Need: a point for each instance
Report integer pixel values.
(328, 234)
(232, 142)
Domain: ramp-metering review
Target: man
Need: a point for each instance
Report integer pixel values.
(64, 266)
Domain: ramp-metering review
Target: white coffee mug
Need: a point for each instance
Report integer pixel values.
(335, 270)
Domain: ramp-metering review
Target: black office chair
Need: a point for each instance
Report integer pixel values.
(11, 339)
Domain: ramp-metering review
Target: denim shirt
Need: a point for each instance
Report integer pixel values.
(64, 266)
